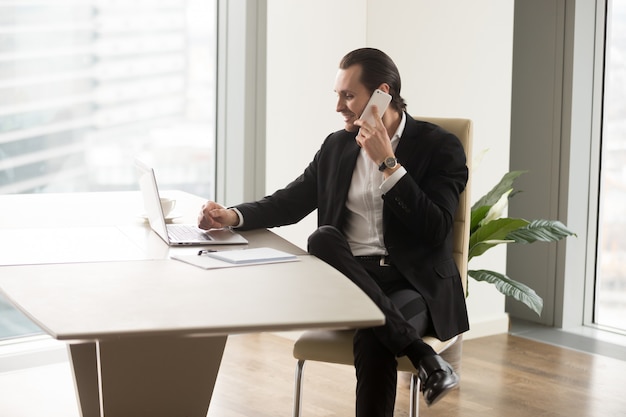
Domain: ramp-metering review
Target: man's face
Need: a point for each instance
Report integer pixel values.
(352, 96)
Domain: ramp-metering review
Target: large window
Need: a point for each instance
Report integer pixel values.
(610, 297)
(88, 85)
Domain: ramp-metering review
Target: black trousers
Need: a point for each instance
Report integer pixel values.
(375, 349)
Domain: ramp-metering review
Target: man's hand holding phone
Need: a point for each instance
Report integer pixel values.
(373, 135)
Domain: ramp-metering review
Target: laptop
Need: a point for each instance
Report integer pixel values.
(177, 234)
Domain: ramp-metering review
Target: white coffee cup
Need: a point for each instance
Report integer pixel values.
(167, 204)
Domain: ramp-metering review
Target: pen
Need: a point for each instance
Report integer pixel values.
(201, 251)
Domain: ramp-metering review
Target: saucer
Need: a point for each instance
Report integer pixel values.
(173, 215)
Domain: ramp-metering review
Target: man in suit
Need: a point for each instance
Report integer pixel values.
(386, 194)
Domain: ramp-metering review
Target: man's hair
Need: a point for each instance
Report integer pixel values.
(376, 68)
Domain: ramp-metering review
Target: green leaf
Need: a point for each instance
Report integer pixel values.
(490, 234)
(477, 216)
(510, 288)
(505, 184)
(541, 230)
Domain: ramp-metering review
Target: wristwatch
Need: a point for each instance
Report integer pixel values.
(389, 162)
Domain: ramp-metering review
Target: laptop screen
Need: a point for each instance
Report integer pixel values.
(151, 199)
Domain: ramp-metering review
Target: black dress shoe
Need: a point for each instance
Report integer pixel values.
(437, 378)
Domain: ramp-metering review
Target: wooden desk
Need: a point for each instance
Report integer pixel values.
(146, 333)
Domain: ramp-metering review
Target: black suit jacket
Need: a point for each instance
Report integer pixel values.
(418, 213)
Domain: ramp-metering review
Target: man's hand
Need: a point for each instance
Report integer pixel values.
(214, 216)
(374, 139)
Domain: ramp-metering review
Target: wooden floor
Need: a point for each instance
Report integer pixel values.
(501, 376)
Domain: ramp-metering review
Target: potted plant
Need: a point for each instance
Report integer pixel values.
(489, 229)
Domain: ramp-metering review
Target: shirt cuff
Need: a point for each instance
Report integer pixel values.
(392, 180)
(239, 215)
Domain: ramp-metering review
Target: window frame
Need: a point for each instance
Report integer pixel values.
(242, 45)
(601, 46)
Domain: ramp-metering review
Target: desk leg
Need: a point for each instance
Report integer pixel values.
(85, 369)
(151, 376)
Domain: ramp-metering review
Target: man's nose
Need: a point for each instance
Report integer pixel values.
(341, 105)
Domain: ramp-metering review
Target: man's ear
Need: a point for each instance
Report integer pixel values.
(384, 87)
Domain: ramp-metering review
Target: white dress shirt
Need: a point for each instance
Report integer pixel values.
(364, 225)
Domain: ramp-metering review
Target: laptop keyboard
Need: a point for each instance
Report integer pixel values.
(183, 233)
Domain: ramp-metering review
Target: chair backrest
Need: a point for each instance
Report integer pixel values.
(461, 128)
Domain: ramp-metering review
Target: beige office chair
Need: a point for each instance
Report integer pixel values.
(335, 346)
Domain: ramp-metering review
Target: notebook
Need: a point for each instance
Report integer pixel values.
(209, 259)
(177, 234)
(252, 256)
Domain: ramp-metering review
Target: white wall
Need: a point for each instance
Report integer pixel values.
(455, 60)
(305, 41)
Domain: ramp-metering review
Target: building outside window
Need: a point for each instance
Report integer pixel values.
(86, 86)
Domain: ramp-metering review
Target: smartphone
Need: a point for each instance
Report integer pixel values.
(379, 99)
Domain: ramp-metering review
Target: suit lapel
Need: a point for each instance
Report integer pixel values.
(346, 161)
(408, 143)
